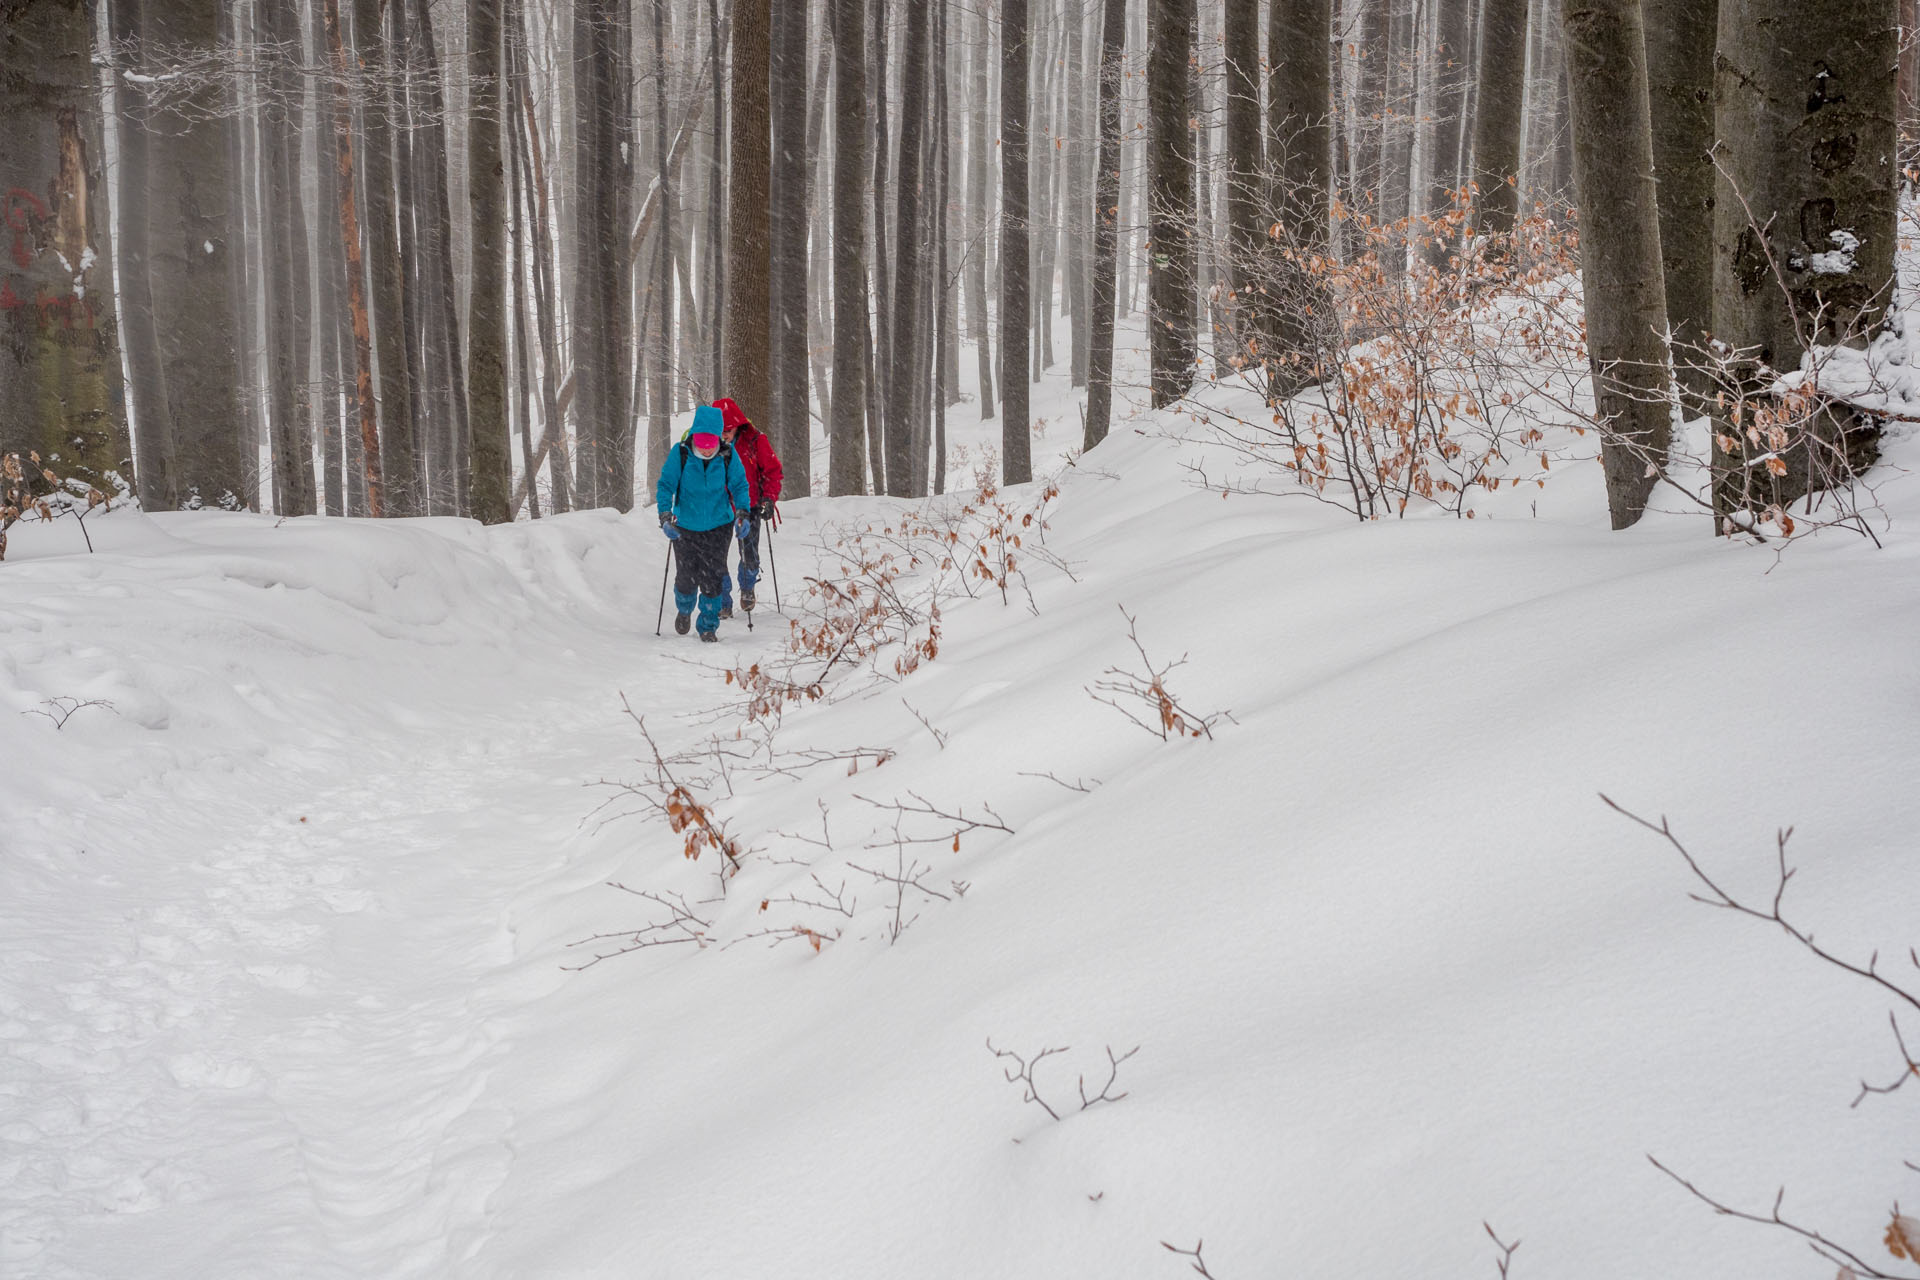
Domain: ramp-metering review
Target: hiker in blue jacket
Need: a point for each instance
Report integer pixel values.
(702, 496)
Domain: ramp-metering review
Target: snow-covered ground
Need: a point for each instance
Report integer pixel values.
(299, 820)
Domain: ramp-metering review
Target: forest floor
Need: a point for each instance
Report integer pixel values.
(308, 826)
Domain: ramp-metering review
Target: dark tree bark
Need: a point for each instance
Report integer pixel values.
(1173, 341)
(910, 260)
(881, 256)
(1680, 35)
(153, 426)
(491, 478)
(1106, 201)
(1246, 165)
(979, 209)
(846, 468)
(399, 459)
(60, 377)
(1300, 155)
(1804, 209)
(748, 305)
(1619, 243)
(1452, 73)
(602, 293)
(788, 421)
(1500, 114)
(1016, 446)
(194, 195)
(1080, 157)
(371, 479)
(284, 263)
(660, 352)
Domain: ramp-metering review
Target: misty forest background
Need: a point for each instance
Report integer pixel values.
(469, 257)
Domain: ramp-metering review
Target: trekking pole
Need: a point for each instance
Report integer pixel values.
(665, 569)
(773, 566)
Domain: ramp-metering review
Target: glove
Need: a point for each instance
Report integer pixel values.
(743, 527)
(764, 509)
(670, 527)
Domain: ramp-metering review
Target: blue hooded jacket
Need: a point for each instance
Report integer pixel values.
(702, 493)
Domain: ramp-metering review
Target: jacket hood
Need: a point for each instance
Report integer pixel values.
(730, 413)
(708, 420)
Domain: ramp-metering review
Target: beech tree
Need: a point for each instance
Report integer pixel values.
(1804, 211)
(1016, 446)
(1620, 243)
(1172, 306)
(59, 350)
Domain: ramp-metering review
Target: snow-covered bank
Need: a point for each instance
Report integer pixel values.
(283, 928)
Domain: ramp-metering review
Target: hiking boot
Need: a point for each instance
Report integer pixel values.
(682, 623)
(710, 637)
(726, 612)
(746, 598)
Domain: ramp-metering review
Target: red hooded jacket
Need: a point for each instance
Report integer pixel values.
(756, 453)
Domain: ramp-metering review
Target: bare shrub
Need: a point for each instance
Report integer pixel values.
(1903, 1232)
(1158, 712)
(1422, 367)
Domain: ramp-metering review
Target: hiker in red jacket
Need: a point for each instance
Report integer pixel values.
(756, 454)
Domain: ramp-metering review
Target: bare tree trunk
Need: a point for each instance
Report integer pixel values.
(660, 397)
(1619, 243)
(1016, 445)
(398, 457)
(788, 203)
(490, 479)
(372, 475)
(909, 281)
(1804, 209)
(1680, 36)
(602, 293)
(1173, 343)
(60, 373)
(980, 209)
(153, 425)
(193, 194)
(749, 262)
(1106, 199)
(846, 468)
(1079, 151)
(1246, 168)
(1500, 115)
(1300, 155)
(284, 262)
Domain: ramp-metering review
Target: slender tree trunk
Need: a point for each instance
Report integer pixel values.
(749, 261)
(910, 260)
(1300, 155)
(1173, 343)
(193, 198)
(660, 397)
(371, 483)
(1106, 200)
(846, 468)
(1016, 445)
(153, 425)
(1080, 150)
(1619, 242)
(284, 261)
(1804, 209)
(1500, 115)
(980, 208)
(1246, 167)
(787, 421)
(1453, 63)
(716, 207)
(602, 293)
(1680, 35)
(490, 481)
(398, 456)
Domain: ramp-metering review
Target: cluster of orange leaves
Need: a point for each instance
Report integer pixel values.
(17, 497)
(1418, 401)
(689, 817)
(871, 606)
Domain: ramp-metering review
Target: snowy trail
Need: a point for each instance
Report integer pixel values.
(296, 1024)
